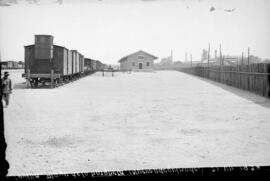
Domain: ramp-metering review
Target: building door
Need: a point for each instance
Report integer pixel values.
(140, 65)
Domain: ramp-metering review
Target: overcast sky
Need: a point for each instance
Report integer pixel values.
(110, 29)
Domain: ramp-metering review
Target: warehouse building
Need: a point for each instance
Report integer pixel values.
(10, 64)
(137, 61)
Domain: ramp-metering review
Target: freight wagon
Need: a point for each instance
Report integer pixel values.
(46, 62)
(59, 68)
(100, 66)
(89, 64)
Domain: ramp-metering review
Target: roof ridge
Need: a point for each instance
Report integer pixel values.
(135, 53)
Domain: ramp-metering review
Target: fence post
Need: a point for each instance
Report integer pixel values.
(242, 58)
(249, 71)
(191, 59)
(52, 72)
(220, 63)
(28, 78)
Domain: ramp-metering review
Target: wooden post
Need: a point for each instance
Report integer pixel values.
(220, 55)
(242, 58)
(220, 60)
(238, 75)
(207, 70)
(28, 78)
(171, 56)
(52, 72)
(248, 56)
(191, 59)
(208, 54)
(249, 70)
(103, 73)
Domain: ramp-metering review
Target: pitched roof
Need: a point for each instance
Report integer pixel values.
(123, 58)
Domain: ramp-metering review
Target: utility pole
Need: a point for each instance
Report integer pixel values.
(248, 56)
(220, 59)
(172, 56)
(220, 55)
(191, 59)
(215, 55)
(208, 53)
(242, 58)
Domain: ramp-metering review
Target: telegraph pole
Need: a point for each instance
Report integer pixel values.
(220, 55)
(248, 56)
(171, 55)
(208, 54)
(220, 59)
(242, 58)
(191, 59)
(215, 55)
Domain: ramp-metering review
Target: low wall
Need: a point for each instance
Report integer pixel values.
(254, 78)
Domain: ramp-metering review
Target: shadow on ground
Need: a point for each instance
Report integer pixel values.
(255, 98)
(21, 85)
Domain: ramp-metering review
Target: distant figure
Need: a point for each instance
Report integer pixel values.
(6, 86)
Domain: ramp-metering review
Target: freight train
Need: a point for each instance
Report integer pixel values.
(48, 63)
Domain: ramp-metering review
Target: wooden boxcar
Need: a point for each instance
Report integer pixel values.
(89, 64)
(40, 70)
(74, 61)
(59, 62)
(81, 63)
(94, 65)
(46, 62)
(100, 66)
(69, 62)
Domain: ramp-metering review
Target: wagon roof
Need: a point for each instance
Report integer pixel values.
(140, 51)
(29, 45)
(60, 46)
(53, 45)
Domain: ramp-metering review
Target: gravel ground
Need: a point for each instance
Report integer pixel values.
(142, 120)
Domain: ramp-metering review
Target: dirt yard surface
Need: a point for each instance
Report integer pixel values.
(142, 120)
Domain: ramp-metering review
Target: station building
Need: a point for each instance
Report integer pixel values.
(137, 61)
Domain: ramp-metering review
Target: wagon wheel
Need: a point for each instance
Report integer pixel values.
(36, 83)
(32, 84)
(56, 83)
(61, 81)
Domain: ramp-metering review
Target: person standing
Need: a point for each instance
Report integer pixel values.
(6, 88)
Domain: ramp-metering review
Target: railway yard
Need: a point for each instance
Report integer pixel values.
(141, 120)
(106, 88)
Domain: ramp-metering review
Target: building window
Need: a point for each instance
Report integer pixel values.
(133, 64)
(147, 64)
(140, 57)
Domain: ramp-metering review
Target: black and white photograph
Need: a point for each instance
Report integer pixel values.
(113, 85)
